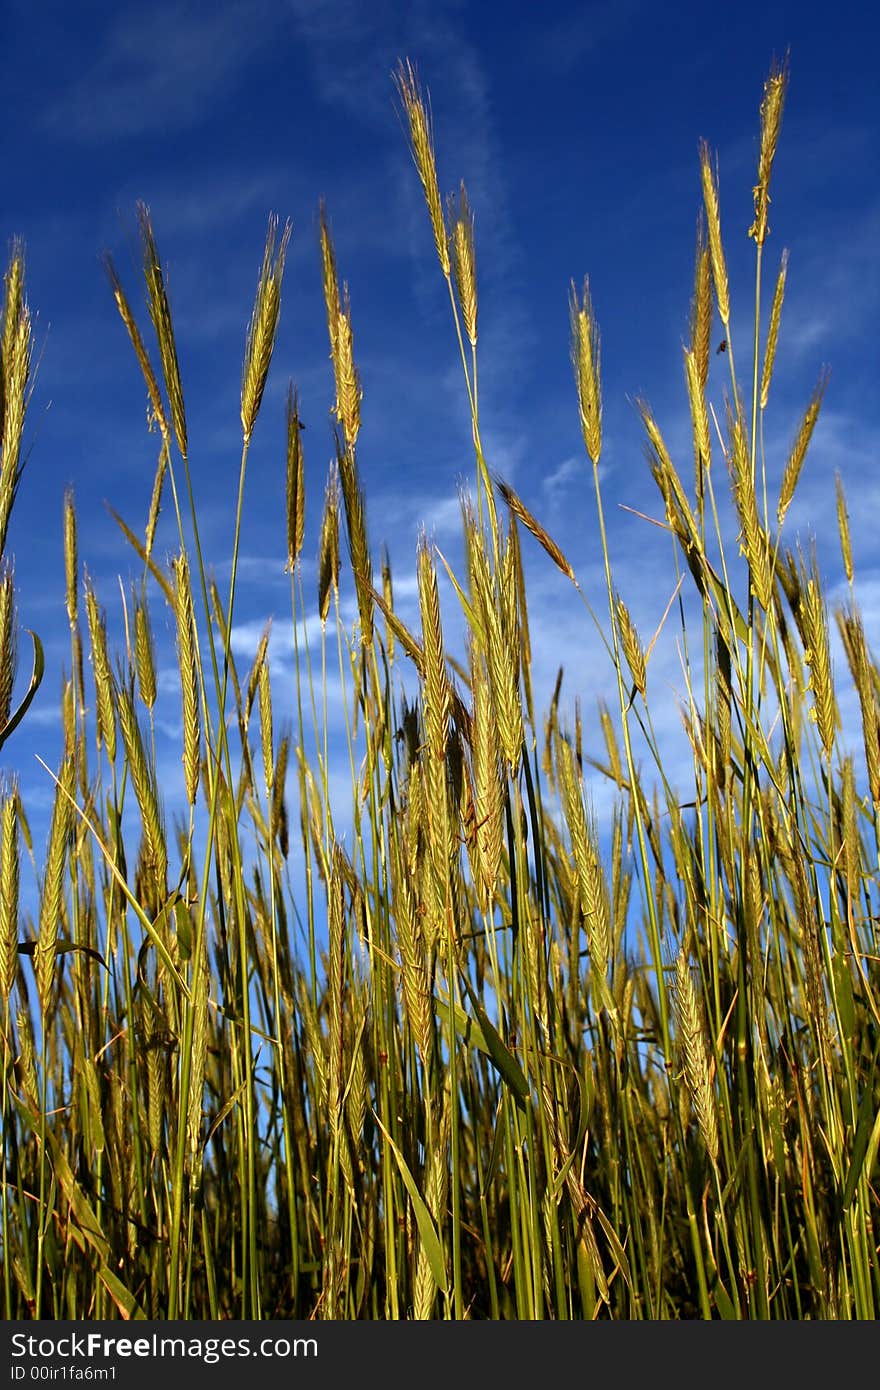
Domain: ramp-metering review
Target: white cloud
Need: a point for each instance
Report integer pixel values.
(162, 68)
(557, 483)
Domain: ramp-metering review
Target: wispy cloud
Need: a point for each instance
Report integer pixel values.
(191, 204)
(563, 42)
(354, 51)
(162, 67)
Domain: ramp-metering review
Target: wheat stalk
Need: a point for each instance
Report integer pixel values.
(701, 306)
(105, 724)
(418, 116)
(9, 892)
(8, 644)
(793, 467)
(328, 559)
(713, 224)
(263, 327)
(695, 1053)
(773, 330)
(296, 497)
(160, 313)
(464, 261)
(51, 900)
(771, 122)
(189, 677)
(156, 405)
(585, 353)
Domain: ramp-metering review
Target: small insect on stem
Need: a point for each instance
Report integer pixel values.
(722, 346)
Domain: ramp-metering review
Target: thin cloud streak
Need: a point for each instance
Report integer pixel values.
(162, 69)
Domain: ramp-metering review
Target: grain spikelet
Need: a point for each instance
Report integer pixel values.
(197, 1065)
(8, 644)
(145, 654)
(418, 115)
(809, 930)
(531, 523)
(632, 647)
(311, 814)
(253, 680)
(723, 696)
(71, 568)
(9, 889)
(501, 652)
(696, 729)
(695, 1054)
(329, 280)
(156, 405)
(356, 1097)
(160, 313)
(464, 261)
(68, 717)
(585, 357)
(713, 223)
(591, 880)
(328, 555)
(436, 688)
(51, 899)
(699, 420)
(263, 325)
(522, 615)
(424, 1289)
(156, 499)
(852, 634)
(435, 712)
(771, 121)
(16, 346)
(536, 972)
(105, 721)
(436, 1188)
(773, 330)
(489, 790)
(843, 529)
(678, 508)
(701, 306)
(13, 306)
(144, 789)
(615, 762)
(413, 956)
(278, 823)
(753, 912)
(754, 542)
(296, 496)
(507, 587)
(348, 385)
(28, 1059)
(388, 600)
(189, 676)
(405, 638)
(358, 548)
(799, 449)
(266, 727)
(817, 655)
(674, 519)
(154, 1048)
(852, 849)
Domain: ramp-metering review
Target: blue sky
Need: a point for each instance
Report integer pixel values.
(575, 128)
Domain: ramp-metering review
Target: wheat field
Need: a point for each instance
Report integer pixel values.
(468, 1062)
